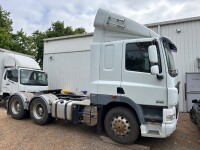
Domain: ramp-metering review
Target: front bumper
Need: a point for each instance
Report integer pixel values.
(160, 130)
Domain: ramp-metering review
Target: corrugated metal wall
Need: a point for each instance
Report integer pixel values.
(188, 43)
(67, 60)
(68, 44)
(62, 74)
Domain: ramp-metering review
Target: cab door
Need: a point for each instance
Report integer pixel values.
(138, 83)
(10, 81)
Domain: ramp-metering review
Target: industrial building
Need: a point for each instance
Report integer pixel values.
(60, 53)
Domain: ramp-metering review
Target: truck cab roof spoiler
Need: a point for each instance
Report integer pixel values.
(113, 27)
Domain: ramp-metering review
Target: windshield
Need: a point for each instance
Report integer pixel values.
(32, 77)
(169, 47)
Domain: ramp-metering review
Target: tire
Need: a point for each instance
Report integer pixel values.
(16, 108)
(192, 116)
(5, 102)
(121, 125)
(39, 112)
(198, 120)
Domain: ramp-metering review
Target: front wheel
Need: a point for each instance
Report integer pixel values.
(121, 125)
(39, 112)
(192, 116)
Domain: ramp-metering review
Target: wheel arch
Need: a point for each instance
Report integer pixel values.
(121, 123)
(22, 97)
(21, 113)
(47, 98)
(137, 110)
(43, 99)
(6, 94)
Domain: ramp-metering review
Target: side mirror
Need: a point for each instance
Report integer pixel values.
(153, 56)
(155, 70)
(194, 101)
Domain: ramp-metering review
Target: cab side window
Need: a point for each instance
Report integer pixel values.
(12, 75)
(137, 57)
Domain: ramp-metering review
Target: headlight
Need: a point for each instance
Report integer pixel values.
(170, 117)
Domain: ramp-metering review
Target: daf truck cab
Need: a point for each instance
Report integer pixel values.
(133, 87)
(19, 73)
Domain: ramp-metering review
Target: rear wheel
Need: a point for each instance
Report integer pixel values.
(39, 112)
(121, 125)
(16, 108)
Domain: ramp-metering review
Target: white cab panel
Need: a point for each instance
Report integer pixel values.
(94, 67)
(110, 68)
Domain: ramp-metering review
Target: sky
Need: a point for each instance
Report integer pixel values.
(31, 15)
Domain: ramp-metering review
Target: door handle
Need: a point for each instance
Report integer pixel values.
(10, 81)
(120, 90)
(7, 84)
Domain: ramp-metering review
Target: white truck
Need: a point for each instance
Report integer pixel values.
(133, 87)
(19, 73)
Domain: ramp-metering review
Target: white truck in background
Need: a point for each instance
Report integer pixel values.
(133, 87)
(19, 73)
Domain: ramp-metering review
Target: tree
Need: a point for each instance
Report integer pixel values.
(5, 38)
(38, 38)
(5, 21)
(5, 29)
(79, 30)
(23, 43)
(19, 41)
(58, 29)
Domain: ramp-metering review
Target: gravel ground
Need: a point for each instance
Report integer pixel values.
(59, 135)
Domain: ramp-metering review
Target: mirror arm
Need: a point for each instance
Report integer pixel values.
(160, 77)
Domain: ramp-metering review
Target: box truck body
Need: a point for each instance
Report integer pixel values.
(19, 72)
